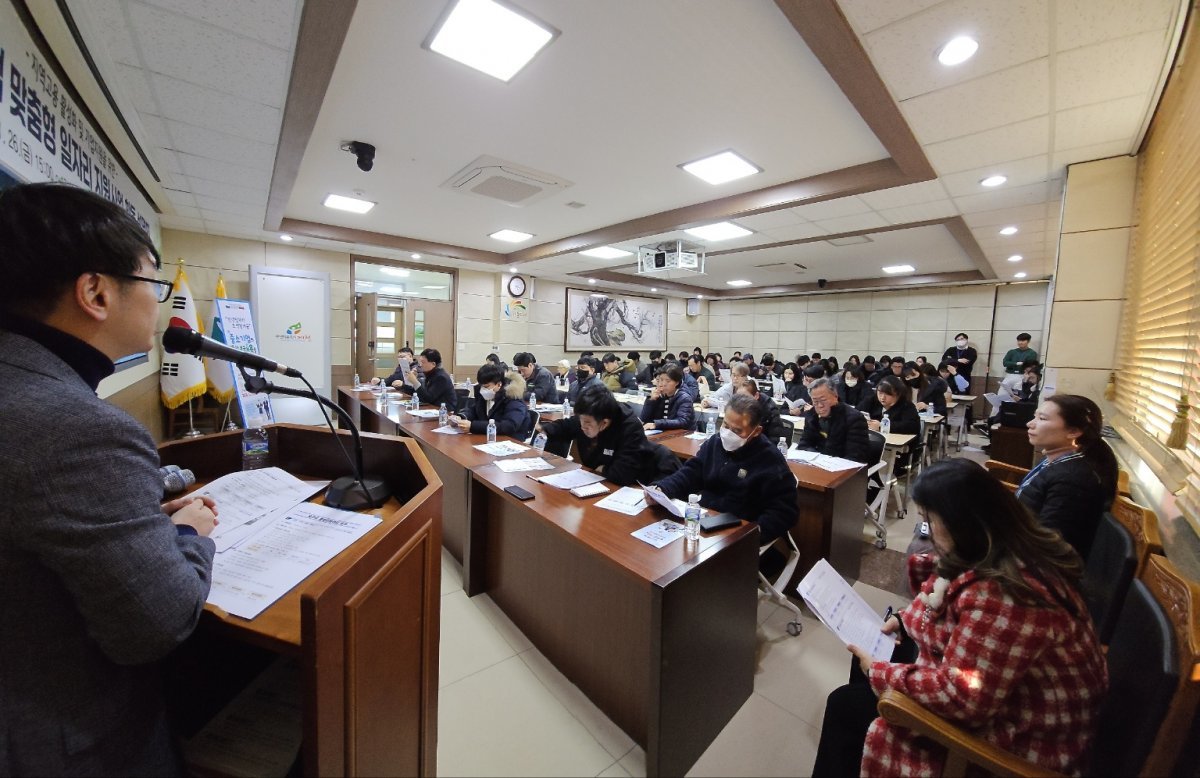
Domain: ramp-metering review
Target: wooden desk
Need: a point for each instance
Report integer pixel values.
(366, 625)
(1011, 446)
(830, 524)
(661, 640)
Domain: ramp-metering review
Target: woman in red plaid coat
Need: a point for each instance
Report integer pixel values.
(1006, 646)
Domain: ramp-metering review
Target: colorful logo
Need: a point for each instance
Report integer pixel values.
(294, 329)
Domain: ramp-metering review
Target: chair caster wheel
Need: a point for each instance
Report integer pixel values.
(880, 533)
(881, 543)
(794, 628)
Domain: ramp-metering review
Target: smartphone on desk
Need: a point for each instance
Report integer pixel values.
(519, 493)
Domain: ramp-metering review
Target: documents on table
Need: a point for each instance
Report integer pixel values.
(798, 421)
(697, 436)
(653, 432)
(450, 429)
(627, 500)
(844, 611)
(502, 448)
(569, 479)
(547, 408)
(248, 500)
(660, 533)
(427, 413)
(676, 507)
(522, 465)
(248, 578)
(823, 461)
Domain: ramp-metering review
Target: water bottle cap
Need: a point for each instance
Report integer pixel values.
(693, 498)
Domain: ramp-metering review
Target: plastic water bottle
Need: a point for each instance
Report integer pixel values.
(491, 431)
(539, 441)
(357, 381)
(256, 449)
(566, 409)
(691, 517)
(885, 426)
(783, 447)
(443, 416)
(383, 397)
(710, 429)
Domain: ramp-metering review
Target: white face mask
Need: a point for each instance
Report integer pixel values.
(961, 343)
(851, 382)
(487, 394)
(731, 441)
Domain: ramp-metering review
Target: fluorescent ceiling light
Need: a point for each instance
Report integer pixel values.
(993, 181)
(512, 269)
(654, 289)
(719, 168)
(492, 38)
(606, 252)
(510, 236)
(1009, 230)
(957, 51)
(1015, 258)
(739, 282)
(398, 272)
(286, 238)
(415, 256)
(1019, 275)
(392, 289)
(718, 231)
(351, 204)
(699, 297)
(893, 269)
(591, 280)
(433, 287)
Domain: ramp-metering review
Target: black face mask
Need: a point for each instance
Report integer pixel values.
(582, 375)
(915, 383)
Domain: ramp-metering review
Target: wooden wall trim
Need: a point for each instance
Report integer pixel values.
(385, 240)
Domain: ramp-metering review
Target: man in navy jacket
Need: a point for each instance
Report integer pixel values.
(499, 400)
(833, 427)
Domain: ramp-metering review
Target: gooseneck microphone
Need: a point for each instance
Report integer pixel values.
(185, 340)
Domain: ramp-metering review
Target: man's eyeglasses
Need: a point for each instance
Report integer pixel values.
(164, 287)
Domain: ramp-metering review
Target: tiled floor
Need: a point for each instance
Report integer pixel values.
(505, 710)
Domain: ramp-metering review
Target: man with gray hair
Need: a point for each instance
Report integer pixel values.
(739, 373)
(834, 428)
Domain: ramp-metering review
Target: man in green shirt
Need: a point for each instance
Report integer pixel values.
(1015, 360)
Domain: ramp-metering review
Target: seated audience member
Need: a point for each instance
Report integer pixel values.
(882, 368)
(1005, 646)
(853, 361)
(563, 373)
(832, 427)
(609, 440)
(646, 375)
(1027, 391)
(768, 367)
(437, 387)
(816, 356)
(891, 397)
(771, 420)
(853, 387)
(495, 360)
(499, 398)
(803, 402)
(803, 361)
(832, 367)
(669, 406)
(615, 377)
(587, 371)
(741, 472)
(897, 366)
(404, 363)
(737, 355)
(703, 377)
(921, 361)
(1071, 488)
(935, 391)
(539, 384)
(698, 351)
(633, 364)
(868, 368)
(949, 373)
(738, 374)
(713, 362)
(750, 363)
(793, 383)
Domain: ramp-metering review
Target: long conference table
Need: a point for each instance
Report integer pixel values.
(661, 640)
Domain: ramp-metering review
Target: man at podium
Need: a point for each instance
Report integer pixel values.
(98, 579)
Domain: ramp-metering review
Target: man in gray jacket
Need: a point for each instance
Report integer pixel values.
(98, 578)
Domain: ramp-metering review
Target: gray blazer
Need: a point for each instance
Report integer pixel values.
(95, 582)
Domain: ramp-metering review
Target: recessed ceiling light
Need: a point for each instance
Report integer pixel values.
(398, 272)
(512, 269)
(739, 282)
(957, 51)
(392, 289)
(510, 236)
(433, 287)
(699, 297)
(993, 181)
(491, 37)
(606, 252)
(718, 231)
(1019, 275)
(654, 289)
(351, 204)
(1009, 230)
(719, 168)
(591, 280)
(893, 269)
(286, 238)
(415, 256)
(1015, 258)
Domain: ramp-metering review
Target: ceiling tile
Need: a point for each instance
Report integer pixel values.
(906, 214)
(172, 222)
(1109, 70)
(1100, 123)
(995, 100)
(205, 169)
(784, 217)
(156, 130)
(181, 197)
(859, 221)
(1089, 153)
(134, 86)
(1009, 34)
(831, 209)
(868, 15)
(216, 205)
(1014, 141)
(204, 107)
(795, 232)
(273, 22)
(107, 19)
(229, 192)
(1008, 198)
(165, 159)
(1003, 216)
(912, 194)
(203, 142)
(1084, 22)
(188, 211)
(1020, 172)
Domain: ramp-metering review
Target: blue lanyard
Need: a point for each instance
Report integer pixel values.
(1042, 466)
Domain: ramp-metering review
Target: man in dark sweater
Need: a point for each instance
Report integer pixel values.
(437, 387)
(539, 383)
(740, 472)
(832, 427)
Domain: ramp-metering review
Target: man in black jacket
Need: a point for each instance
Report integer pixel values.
(769, 417)
(645, 376)
(539, 383)
(437, 388)
(832, 427)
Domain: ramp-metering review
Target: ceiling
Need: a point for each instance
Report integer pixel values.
(241, 109)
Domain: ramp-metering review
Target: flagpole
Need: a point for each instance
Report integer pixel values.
(229, 425)
(192, 431)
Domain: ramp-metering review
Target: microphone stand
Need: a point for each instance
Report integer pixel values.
(349, 493)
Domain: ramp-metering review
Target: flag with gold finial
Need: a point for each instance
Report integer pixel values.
(218, 372)
(181, 377)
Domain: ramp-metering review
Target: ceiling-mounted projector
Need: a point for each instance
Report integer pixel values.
(676, 255)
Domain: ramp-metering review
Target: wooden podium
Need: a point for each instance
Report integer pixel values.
(365, 626)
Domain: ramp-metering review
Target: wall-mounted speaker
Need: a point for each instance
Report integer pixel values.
(693, 307)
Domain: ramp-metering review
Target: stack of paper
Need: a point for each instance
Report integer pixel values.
(248, 501)
(569, 479)
(502, 448)
(844, 611)
(627, 500)
(823, 461)
(660, 533)
(522, 465)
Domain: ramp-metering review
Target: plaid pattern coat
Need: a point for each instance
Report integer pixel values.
(1028, 679)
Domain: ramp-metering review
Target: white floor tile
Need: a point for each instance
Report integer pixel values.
(634, 762)
(469, 641)
(762, 739)
(615, 770)
(513, 636)
(797, 673)
(451, 573)
(503, 721)
(608, 734)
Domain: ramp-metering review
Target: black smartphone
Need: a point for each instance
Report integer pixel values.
(519, 493)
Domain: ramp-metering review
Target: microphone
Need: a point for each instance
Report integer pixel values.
(185, 340)
(176, 480)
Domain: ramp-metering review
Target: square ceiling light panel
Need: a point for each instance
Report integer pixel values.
(492, 37)
(719, 168)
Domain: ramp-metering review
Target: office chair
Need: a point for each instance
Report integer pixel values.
(1107, 574)
(536, 417)
(1142, 524)
(879, 477)
(773, 590)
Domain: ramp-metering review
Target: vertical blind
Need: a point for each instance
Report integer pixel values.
(1160, 337)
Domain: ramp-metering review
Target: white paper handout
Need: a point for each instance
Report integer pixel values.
(627, 500)
(248, 578)
(844, 611)
(425, 413)
(247, 500)
(676, 507)
(569, 479)
(660, 533)
(823, 461)
(450, 429)
(502, 448)
(522, 465)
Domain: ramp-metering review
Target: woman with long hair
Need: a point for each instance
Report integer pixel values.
(1071, 488)
(1005, 646)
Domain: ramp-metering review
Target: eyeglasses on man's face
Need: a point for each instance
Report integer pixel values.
(163, 288)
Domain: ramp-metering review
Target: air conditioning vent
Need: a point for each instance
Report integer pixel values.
(506, 182)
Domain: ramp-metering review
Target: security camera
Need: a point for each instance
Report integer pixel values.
(821, 282)
(364, 151)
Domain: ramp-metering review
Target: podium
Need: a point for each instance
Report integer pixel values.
(365, 627)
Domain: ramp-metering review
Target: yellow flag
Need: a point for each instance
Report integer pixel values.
(181, 377)
(219, 373)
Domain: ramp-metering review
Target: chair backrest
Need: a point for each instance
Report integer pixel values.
(1154, 676)
(535, 417)
(789, 430)
(1142, 524)
(1009, 474)
(876, 443)
(1107, 575)
(1123, 483)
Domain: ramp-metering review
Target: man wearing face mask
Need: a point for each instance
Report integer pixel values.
(740, 472)
(961, 355)
(609, 440)
(645, 375)
(587, 371)
(498, 399)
